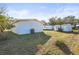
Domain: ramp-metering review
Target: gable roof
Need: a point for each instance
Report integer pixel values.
(20, 20)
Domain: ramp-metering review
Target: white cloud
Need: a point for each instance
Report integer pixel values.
(42, 15)
(62, 12)
(19, 13)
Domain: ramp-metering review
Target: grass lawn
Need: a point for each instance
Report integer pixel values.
(22, 44)
(68, 43)
(75, 31)
(48, 42)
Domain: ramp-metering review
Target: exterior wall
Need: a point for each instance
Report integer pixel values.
(64, 27)
(56, 27)
(48, 27)
(77, 26)
(24, 27)
(67, 28)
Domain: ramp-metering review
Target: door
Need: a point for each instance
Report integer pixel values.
(32, 31)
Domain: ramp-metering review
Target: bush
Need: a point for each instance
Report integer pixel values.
(74, 28)
(3, 36)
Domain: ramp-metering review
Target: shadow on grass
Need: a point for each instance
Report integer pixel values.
(35, 40)
(22, 44)
(63, 47)
(69, 32)
(48, 29)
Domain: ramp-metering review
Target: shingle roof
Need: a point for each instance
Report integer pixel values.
(18, 20)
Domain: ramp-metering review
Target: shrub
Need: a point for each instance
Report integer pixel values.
(74, 28)
(3, 36)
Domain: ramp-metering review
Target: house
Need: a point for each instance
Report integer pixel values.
(67, 27)
(48, 27)
(56, 27)
(27, 26)
(77, 26)
(64, 27)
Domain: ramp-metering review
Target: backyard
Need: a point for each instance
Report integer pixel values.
(61, 43)
(22, 44)
(47, 42)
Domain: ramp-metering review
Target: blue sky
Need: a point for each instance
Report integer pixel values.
(41, 11)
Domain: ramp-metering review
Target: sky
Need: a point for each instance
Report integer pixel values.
(41, 11)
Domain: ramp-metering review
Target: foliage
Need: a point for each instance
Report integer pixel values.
(3, 36)
(52, 21)
(65, 20)
(74, 28)
(44, 22)
(4, 20)
(55, 21)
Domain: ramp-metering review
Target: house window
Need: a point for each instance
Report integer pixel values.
(32, 31)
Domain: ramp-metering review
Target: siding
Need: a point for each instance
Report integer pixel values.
(48, 27)
(67, 27)
(24, 27)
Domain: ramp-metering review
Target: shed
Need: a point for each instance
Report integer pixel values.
(27, 26)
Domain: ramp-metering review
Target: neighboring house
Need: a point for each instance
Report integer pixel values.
(56, 27)
(64, 27)
(67, 27)
(48, 27)
(77, 26)
(27, 26)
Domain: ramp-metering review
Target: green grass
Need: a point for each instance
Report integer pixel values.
(40, 43)
(70, 40)
(75, 31)
(22, 44)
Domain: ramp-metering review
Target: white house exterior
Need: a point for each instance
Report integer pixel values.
(77, 26)
(25, 26)
(48, 27)
(56, 27)
(64, 27)
(67, 27)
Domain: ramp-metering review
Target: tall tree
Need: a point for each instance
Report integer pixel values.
(4, 20)
(55, 21)
(52, 21)
(59, 21)
(44, 22)
(69, 19)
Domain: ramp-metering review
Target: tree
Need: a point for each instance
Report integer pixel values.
(69, 19)
(59, 21)
(52, 21)
(4, 20)
(55, 21)
(45, 23)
